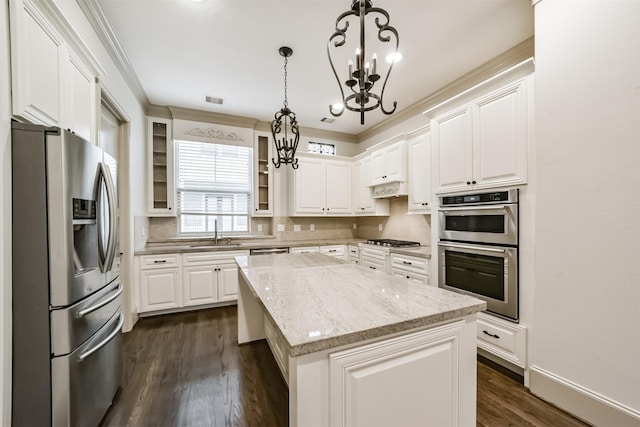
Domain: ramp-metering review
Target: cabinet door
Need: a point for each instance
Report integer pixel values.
(228, 282)
(80, 102)
(452, 136)
(37, 60)
(200, 285)
(310, 183)
(338, 187)
(396, 162)
(160, 289)
(419, 149)
(500, 137)
(378, 167)
(263, 176)
(160, 163)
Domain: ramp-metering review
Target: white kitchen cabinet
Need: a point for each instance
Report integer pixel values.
(483, 144)
(505, 339)
(51, 84)
(410, 267)
(304, 250)
(321, 187)
(337, 251)
(354, 254)
(389, 164)
(200, 285)
(364, 204)
(263, 175)
(375, 258)
(419, 172)
(160, 158)
(160, 282)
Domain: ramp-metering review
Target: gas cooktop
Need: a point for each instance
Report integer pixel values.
(391, 243)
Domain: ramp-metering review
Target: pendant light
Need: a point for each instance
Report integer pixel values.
(363, 75)
(284, 127)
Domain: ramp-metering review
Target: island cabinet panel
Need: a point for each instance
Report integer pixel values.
(362, 376)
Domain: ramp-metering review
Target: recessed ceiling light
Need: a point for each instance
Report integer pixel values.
(394, 57)
(337, 107)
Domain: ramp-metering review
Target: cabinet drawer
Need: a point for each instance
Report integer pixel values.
(371, 252)
(504, 339)
(305, 250)
(277, 345)
(209, 258)
(410, 263)
(148, 262)
(335, 250)
(415, 277)
(374, 264)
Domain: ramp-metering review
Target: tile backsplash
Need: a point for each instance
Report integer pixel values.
(398, 225)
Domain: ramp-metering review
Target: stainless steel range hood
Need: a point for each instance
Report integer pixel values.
(389, 189)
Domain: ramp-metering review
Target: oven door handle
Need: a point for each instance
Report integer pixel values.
(476, 248)
(501, 208)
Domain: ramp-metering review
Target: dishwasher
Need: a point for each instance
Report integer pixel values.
(269, 251)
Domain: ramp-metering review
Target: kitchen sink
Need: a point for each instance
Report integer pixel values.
(221, 245)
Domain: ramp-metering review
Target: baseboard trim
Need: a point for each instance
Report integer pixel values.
(581, 402)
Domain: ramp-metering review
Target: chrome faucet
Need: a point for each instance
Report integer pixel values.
(215, 231)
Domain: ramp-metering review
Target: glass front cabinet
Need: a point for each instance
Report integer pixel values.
(263, 175)
(160, 160)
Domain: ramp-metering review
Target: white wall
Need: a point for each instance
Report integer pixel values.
(587, 268)
(5, 220)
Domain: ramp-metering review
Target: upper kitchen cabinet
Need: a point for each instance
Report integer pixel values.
(263, 176)
(321, 187)
(53, 72)
(363, 203)
(483, 143)
(160, 171)
(419, 171)
(389, 164)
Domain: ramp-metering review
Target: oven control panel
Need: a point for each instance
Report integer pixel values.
(509, 196)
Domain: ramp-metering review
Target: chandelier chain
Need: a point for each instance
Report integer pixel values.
(286, 102)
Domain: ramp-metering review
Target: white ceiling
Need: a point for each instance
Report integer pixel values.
(182, 51)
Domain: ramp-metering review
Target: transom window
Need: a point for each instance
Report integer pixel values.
(322, 148)
(213, 185)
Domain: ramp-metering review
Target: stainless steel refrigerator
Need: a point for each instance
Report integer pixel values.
(66, 286)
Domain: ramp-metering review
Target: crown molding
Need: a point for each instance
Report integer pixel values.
(211, 117)
(502, 62)
(107, 36)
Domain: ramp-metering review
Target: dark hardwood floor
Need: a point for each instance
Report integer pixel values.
(187, 370)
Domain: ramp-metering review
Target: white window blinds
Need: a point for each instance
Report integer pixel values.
(213, 185)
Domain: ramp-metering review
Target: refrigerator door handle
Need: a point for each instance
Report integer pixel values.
(113, 217)
(105, 341)
(101, 304)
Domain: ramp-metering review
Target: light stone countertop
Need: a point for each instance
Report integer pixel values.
(171, 248)
(319, 302)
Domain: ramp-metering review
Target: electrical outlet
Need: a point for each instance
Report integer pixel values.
(280, 227)
(296, 227)
(355, 226)
(259, 227)
(312, 227)
(379, 227)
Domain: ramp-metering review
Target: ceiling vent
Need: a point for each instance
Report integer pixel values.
(327, 120)
(213, 100)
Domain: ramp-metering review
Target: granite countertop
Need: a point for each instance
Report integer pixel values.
(177, 247)
(320, 302)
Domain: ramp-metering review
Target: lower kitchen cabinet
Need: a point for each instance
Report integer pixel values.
(410, 267)
(375, 258)
(178, 281)
(502, 338)
(354, 254)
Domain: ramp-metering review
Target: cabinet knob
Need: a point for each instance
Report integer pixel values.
(473, 182)
(372, 267)
(322, 208)
(468, 182)
(408, 277)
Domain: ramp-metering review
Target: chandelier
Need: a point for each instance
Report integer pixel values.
(361, 80)
(285, 127)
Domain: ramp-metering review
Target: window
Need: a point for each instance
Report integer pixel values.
(213, 185)
(322, 148)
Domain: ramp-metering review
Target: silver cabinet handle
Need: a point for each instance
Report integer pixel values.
(105, 341)
(101, 304)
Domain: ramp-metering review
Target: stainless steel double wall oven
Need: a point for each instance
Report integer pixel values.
(478, 248)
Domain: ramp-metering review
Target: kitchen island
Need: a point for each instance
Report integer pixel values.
(360, 347)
